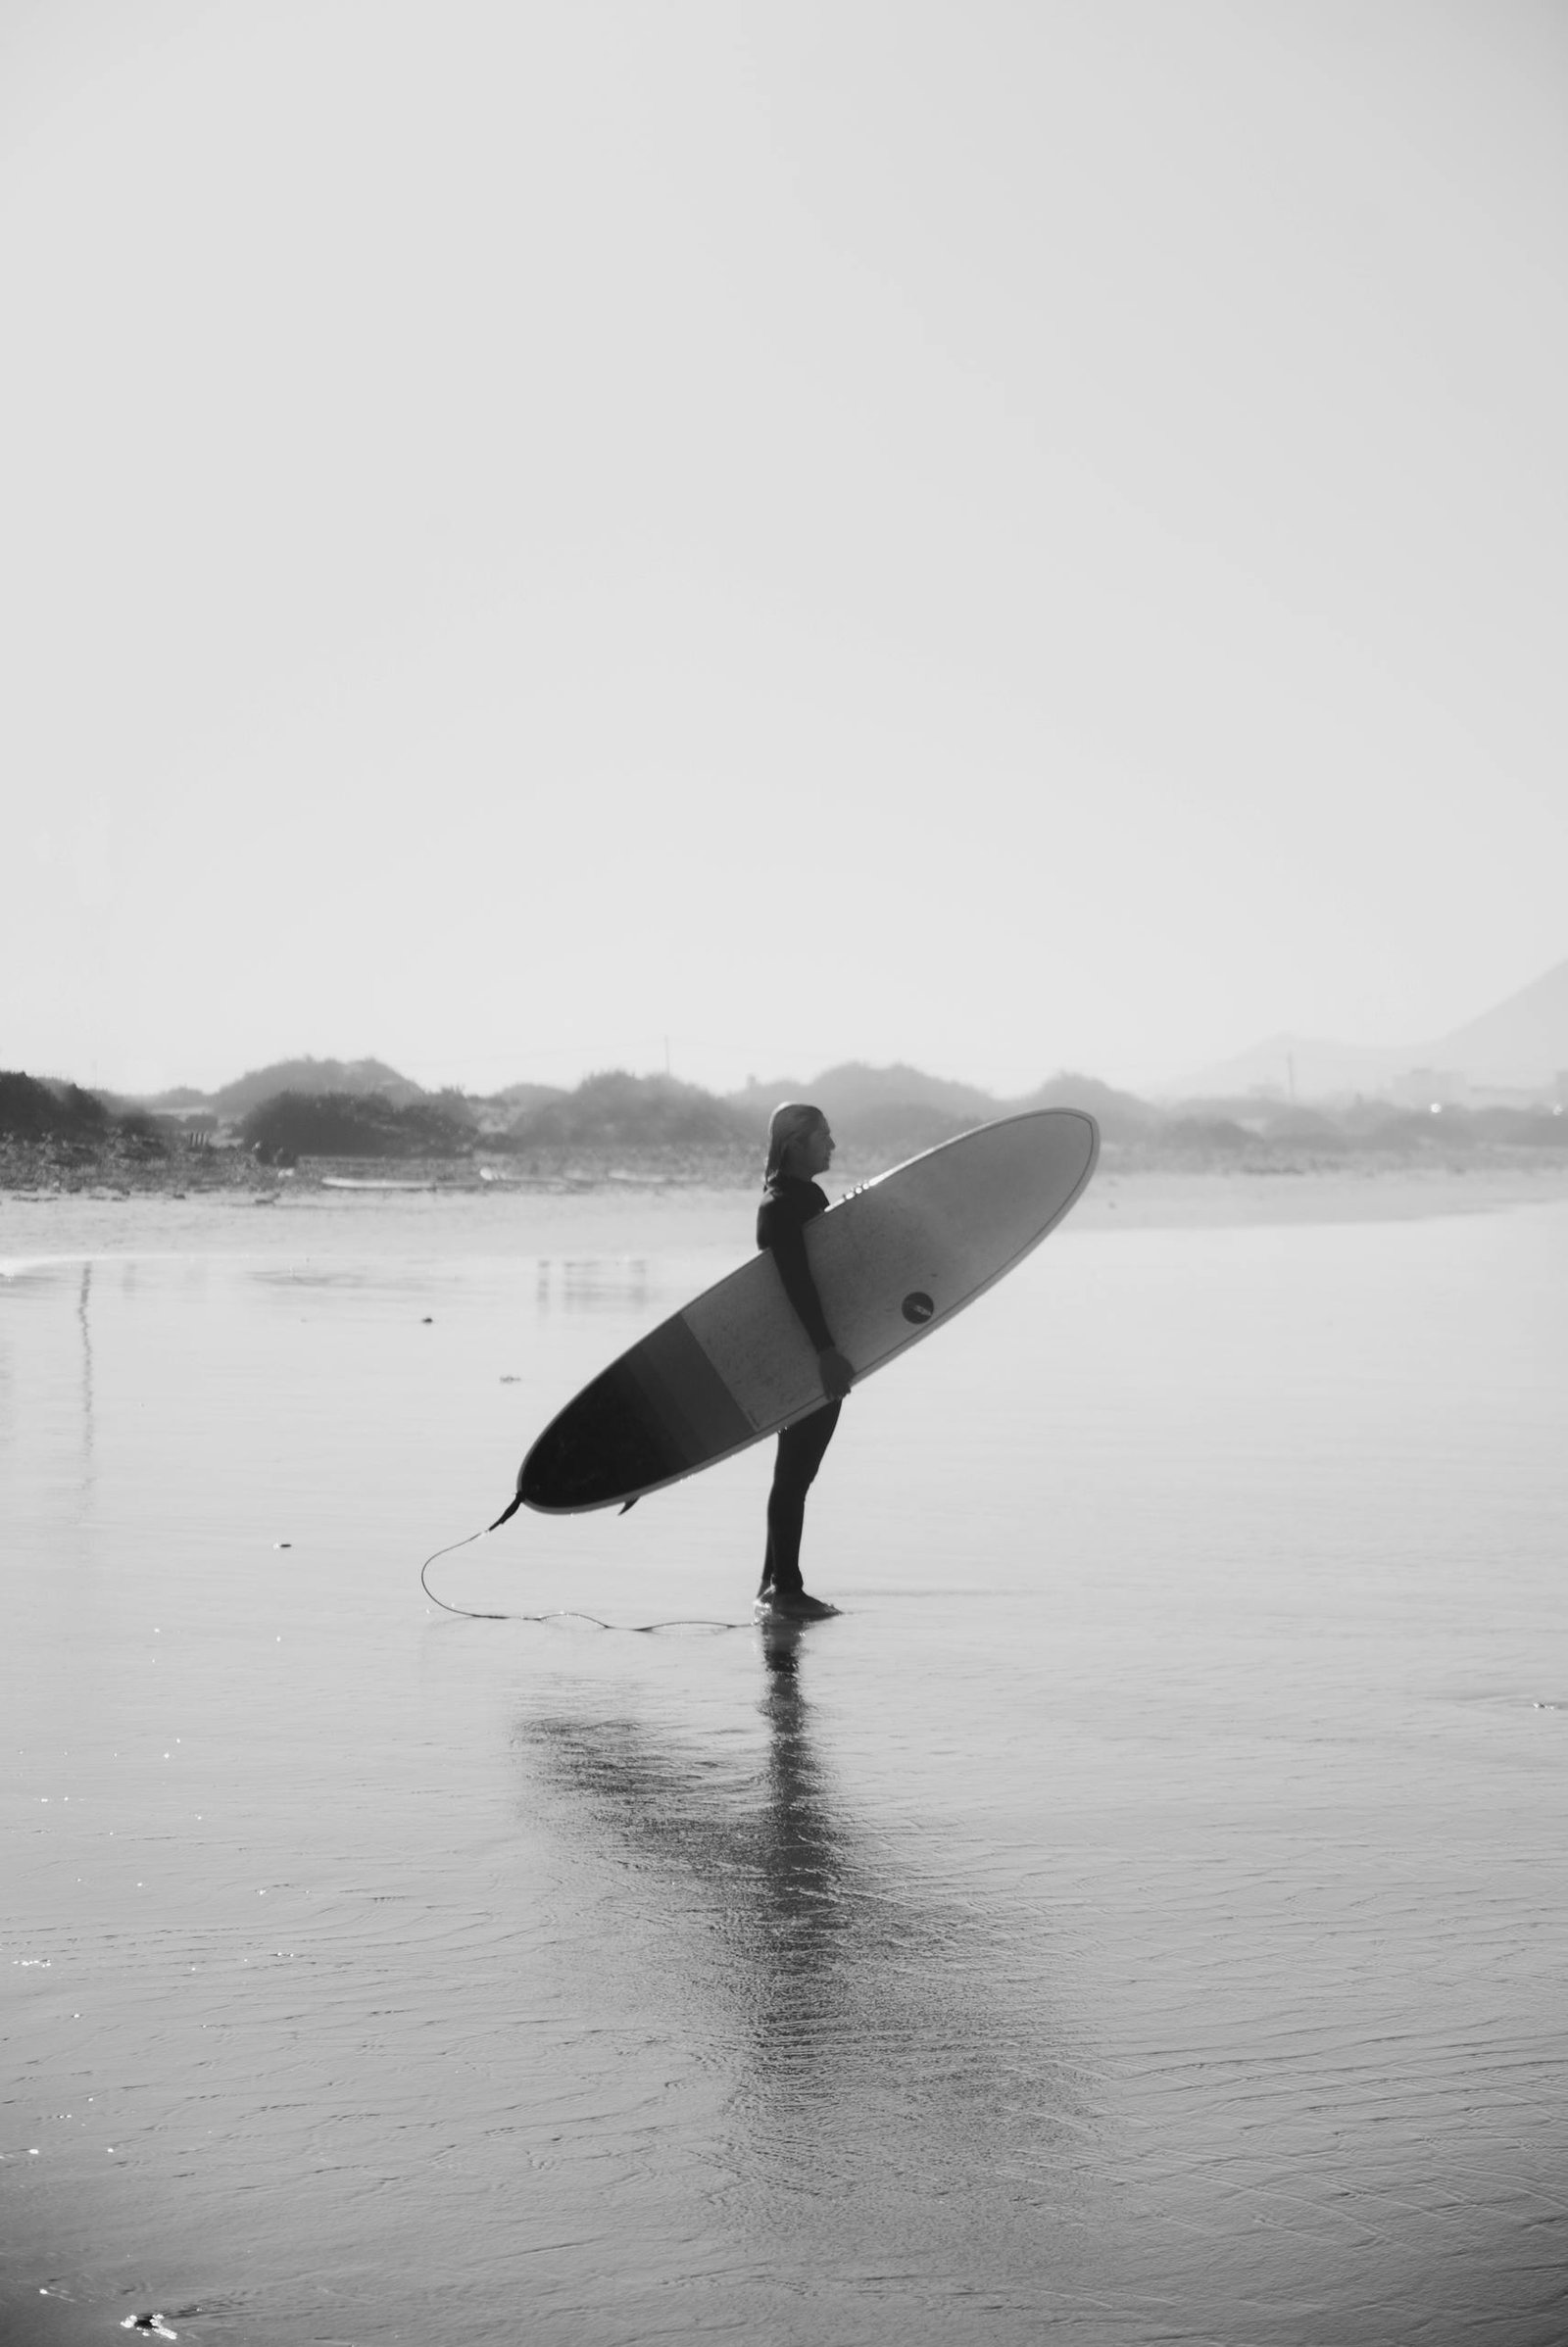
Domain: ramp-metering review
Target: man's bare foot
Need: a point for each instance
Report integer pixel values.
(796, 1606)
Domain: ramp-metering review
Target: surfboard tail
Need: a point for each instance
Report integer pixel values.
(508, 1513)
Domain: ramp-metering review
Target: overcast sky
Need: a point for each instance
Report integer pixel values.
(1005, 536)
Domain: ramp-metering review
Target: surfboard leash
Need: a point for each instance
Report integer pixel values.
(558, 1613)
(449, 1551)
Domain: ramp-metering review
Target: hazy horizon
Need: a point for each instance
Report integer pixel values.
(999, 539)
(1302, 1060)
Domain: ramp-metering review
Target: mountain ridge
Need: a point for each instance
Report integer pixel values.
(1520, 1044)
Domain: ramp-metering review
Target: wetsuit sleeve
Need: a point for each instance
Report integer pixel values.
(786, 1238)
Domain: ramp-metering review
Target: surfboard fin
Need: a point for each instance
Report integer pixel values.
(631, 1502)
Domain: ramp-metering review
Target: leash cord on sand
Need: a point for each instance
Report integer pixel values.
(559, 1613)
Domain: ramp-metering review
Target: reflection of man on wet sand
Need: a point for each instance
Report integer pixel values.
(890, 2105)
(799, 1145)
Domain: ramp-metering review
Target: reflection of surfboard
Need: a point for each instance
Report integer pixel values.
(892, 1262)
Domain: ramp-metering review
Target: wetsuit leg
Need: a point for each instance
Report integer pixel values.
(799, 1454)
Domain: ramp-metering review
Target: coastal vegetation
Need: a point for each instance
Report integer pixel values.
(363, 1078)
(617, 1110)
(31, 1110)
(618, 1126)
(35, 1108)
(292, 1125)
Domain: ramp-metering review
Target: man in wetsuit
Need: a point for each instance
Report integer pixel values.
(799, 1145)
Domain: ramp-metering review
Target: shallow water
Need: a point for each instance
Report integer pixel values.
(1138, 1919)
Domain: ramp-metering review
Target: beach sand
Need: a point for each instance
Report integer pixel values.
(679, 1219)
(1138, 1918)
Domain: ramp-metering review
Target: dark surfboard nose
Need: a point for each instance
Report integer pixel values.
(658, 1412)
(604, 1445)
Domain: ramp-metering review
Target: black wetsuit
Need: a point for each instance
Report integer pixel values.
(781, 1219)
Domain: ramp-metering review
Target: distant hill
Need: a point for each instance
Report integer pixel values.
(622, 1112)
(881, 1116)
(1304, 1064)
(35, 1108)
(855, 1090)
(523, 1095)
(183, 1095)
(306, 1076)
(289, 1125)
(855, 1085)
(892, 1110)
(46, 1109)
(888, 1111)
(496, 1112)
(1522, 1044)
(1121, 1115)
(757, 1100)
(900, 1109)
(1523, 1041)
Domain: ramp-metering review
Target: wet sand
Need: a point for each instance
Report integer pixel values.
(1138, 1918)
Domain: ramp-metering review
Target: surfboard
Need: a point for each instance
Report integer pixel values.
(895, 1260)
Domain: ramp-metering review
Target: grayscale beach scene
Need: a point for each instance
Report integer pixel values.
(1137, 1918)
(783, 1173)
